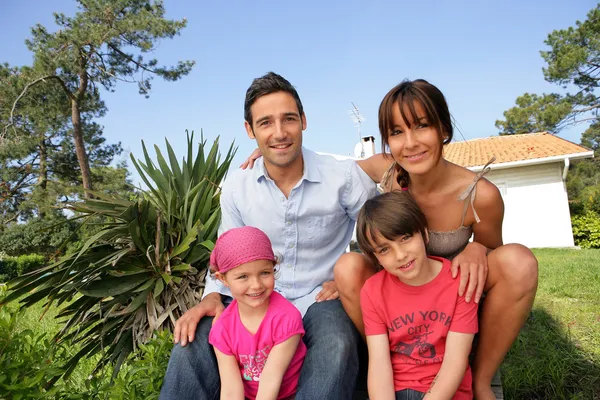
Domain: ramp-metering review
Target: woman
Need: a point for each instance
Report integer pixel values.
(415, 124)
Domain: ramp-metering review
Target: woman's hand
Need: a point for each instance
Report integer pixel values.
(256, 154)
(472, 263)
(329, 292)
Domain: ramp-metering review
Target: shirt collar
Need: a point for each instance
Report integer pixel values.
(311, 168)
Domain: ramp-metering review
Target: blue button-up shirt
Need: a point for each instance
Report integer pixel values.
(309, 230)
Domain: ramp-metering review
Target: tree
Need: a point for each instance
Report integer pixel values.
(591, 138)
(37, 158)
(573, 61)
(93, 49)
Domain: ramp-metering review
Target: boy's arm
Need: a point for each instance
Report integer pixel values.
(277, 364)
(454, 366)
(232, 387)
(380, 377)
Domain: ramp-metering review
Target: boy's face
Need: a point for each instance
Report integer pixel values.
(277, 127)
(404, 257)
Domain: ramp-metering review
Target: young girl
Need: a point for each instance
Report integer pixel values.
(419, 330)
(258, 338)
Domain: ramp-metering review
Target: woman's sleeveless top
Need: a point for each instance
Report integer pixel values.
(451, 243)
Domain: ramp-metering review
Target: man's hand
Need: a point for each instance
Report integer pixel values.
(329, 292)
(249, 163)
(472, 262)
(185, 327)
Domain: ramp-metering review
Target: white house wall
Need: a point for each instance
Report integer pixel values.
(536, 205)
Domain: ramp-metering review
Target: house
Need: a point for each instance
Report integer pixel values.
(530, 171)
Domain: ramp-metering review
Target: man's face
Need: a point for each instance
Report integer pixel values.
(277, 127)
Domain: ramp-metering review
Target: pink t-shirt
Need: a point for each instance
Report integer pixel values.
(417, 320)
(281, 322)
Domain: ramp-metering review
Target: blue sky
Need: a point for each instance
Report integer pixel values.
(481, 54)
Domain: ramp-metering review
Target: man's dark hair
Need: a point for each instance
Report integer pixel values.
(267, 84)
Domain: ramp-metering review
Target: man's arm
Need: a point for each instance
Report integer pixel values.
(380, 377)
(232, 387)
(277, 364)
(454, 366)
(359, 188)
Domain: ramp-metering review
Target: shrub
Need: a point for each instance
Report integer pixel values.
(39, 236)
(12, 267)
(28, 360)
(586, 230)
(144, 268)
(142, 376)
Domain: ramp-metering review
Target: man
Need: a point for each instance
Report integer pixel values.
(307, 204)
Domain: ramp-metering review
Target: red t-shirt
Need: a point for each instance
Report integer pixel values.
(417, 320)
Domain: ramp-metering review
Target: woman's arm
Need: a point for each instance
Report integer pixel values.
(277, 364)
(454, 366)
(375, 166)
(232, 387)
(490, 206)
(380, 377)
(487, 235)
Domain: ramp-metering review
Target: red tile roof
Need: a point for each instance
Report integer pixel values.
(510, 148)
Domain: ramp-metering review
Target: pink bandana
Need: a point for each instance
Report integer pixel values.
(239, 246)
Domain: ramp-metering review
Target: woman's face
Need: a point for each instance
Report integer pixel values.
(417, 147)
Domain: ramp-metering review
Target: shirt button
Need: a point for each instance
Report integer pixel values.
(291, 246)
(289, 265)
(282, 198)
(289, 222)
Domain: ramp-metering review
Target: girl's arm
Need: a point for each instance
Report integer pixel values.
(232, 387)
(380, 377)
(375, 166)
(454, 366)
(277, 364)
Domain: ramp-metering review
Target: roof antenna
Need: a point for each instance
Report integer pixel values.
(357, 118)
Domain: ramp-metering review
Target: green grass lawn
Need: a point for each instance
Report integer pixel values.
(557, 354)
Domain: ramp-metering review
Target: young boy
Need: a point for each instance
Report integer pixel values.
(419, 331)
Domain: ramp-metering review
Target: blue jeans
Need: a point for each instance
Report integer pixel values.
(409, 394)
(329, 371)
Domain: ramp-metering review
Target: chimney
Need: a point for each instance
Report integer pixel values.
(368, 143)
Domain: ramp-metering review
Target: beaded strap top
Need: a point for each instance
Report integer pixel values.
(450, 243)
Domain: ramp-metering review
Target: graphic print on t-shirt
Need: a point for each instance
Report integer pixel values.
(254, 364)
(409, 336)
(426, 350)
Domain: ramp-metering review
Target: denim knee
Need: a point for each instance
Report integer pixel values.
(192, 372)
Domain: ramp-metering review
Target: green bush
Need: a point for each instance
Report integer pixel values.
(142, 376)
(28, 360)
(586, 230)
(12, 267)
(37, 236)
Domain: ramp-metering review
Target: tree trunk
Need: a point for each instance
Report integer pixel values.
(82, 157)
(43, 176)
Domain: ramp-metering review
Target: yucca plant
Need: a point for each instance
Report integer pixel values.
(145, 267)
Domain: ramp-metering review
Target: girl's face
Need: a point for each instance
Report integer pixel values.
(416, 147)
(251, 284)
(404, 257)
